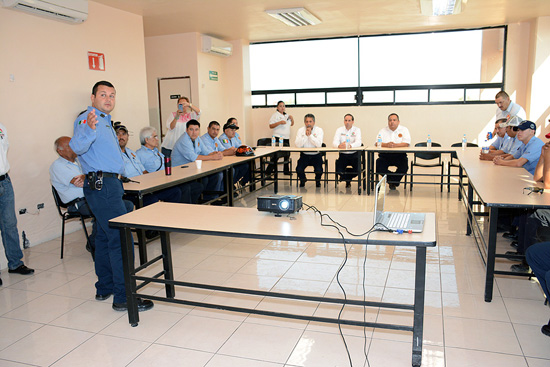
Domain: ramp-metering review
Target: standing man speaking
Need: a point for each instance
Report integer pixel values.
(96, 144)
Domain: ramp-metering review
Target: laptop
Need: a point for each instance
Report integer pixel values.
(394, 221)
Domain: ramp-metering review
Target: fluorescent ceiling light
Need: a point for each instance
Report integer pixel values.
(294, 17)
(440, 7)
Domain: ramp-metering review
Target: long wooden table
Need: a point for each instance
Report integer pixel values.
(303, 226)
(496, 187)
(371, 150)
(156, 181)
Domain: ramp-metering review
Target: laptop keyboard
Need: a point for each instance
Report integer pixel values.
(398, 220)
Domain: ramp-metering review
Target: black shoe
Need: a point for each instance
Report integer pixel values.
(513, 253)
(514, 244)
(102, 297)
(520, 268)
(510, 235)
(317, 183)
(392, 187)
(302, 183)
(348, 184)
(546, 329)
(0, 281)
(143, 305)
(22, 269)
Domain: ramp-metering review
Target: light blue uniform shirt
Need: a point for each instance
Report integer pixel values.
(511, 145)
(499, 142)
(185, 151)
(98, 149)
(531, 152)
(228, 143)
(152, 159)
(62, 172)
(132, 165)
(213, 145)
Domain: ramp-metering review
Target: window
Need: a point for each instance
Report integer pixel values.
(465, 66)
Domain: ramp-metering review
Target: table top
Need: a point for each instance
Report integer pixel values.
(250, 223)
(500, 186)
(154, 181)
(412, 149)
(322, 149)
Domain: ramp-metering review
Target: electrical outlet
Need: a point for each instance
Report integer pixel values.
(22, 211)
(40, 206)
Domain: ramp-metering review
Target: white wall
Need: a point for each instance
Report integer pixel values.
(52, 84)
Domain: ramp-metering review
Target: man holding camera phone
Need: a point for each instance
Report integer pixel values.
(176, 123)
(96, 144)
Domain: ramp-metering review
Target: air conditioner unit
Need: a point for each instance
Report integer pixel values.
(216, 46)
(71, 11)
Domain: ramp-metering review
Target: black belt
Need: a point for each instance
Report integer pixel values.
(3, 177)
(107, 174)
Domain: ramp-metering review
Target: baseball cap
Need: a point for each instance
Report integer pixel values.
(513, 121)
(229, 125)
(527, 125)
(118, 126)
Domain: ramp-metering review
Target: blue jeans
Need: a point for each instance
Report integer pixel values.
(107, 204)
(538, 258)
(8, 225)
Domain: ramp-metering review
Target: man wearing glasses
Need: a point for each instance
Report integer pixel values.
(527, 156)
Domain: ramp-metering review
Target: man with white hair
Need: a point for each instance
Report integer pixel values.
(153, 161)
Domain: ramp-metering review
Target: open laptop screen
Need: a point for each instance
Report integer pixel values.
(380, 197)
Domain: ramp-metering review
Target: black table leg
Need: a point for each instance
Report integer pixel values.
(229, 185)
(460, 182)
(142, 239)
(491, 249)
(167, 263)
(129, 271)
(470, 209)
(418, 318)
(359, 169)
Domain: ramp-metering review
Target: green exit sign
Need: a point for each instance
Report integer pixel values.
(213, 75)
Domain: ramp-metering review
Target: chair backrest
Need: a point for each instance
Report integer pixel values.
(453, 154)
(426, 155)
(264, 142)
(58, 203)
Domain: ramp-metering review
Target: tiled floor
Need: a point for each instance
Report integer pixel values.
(52, 319)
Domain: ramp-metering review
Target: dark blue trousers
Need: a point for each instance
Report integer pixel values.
(107, 204)
(538, 258)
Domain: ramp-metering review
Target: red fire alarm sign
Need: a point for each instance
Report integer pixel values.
(96, 61)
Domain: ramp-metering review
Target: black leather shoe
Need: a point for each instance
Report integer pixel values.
(143, 305)
(0, 281)
(392, 186)
(546, 329)
(514, 244)
(102, 297)
(348, 184)
(22, 269)
(317, 183)
(510, 235)
(302, 183)
(514, 253)
(520, 268)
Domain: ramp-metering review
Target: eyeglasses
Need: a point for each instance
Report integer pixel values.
(530, 190)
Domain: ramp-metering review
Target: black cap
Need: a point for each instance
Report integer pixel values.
(527, 125)
(230, 125)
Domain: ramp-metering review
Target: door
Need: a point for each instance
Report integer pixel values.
(170, 89)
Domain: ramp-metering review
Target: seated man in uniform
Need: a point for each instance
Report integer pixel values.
(527, 156)
(133, 168)
(189, 148)
(153, 160)
(230, 142)
(346, 137)
(393, 136)
(510, 145)
(309, 136)
(67, 179)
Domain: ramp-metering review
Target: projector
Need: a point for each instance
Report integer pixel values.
(280, 204)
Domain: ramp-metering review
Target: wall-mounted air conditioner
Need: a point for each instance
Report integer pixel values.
(216, 46)
(72, 11)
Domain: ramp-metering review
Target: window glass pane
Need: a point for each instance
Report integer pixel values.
(304, 64)
(459, 57)
(415, 95)
(341, 97)
(273, 99)
(477, 94)
(310, 98)
(446, 95)
(258, 100)
(378, 97)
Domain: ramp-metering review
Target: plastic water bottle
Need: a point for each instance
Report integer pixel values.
(429, 141)
(281, 141)
(485, 147)
(464, 142)
(348, 145)
(273, 141)
(379, 141)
